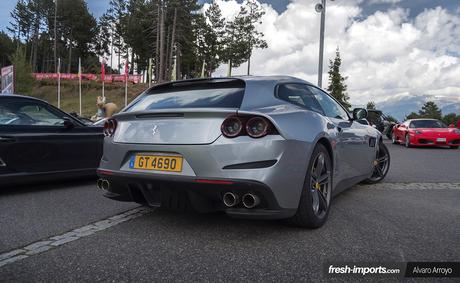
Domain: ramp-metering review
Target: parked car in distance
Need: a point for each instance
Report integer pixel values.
(253, 147)
(40, 142)
(380, 121)
(426, 132)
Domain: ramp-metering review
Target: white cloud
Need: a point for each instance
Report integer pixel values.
(383, 54)
(384, 1)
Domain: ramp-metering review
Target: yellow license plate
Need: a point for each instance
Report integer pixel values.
(157, 162)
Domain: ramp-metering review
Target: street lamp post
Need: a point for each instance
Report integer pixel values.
(321, 8)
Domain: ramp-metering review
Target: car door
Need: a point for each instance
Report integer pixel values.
(354, 153)
(78, 146)
(23, 147)
(40, 138)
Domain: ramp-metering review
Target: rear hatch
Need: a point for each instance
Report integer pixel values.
(189, 112)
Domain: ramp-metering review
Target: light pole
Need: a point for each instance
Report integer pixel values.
(55, 35)
(321, 8)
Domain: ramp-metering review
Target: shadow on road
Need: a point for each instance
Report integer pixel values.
(46, 186)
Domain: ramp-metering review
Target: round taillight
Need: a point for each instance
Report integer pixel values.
(109, 127)
(257, 127)
(232, 127)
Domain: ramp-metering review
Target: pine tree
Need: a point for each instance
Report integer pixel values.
(213, 30)
(412, 115)
(337, 87)
(451, 118)
(253, 37)
(23, 80)
(430, 110)
(370, 105)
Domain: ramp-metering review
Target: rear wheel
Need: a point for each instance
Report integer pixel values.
(381, 164)
(407, 141)
(316, 194)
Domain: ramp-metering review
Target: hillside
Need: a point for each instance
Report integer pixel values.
(115, 92)
(401, 106)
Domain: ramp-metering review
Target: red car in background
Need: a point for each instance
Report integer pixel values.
(425, 132)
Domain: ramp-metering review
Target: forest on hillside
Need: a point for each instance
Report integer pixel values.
(172, 35)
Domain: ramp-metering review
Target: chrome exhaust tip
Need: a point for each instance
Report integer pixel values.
(250, 200)
(99, 184)
(230, 199)
(105, 185)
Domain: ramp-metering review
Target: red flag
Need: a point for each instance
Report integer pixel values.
(126, 69)
(103, 70)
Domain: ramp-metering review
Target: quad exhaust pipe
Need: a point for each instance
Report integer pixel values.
(103, 184)
(230, 199)
(250, 200)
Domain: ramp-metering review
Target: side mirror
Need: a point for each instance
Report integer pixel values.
(68, 124)
(451, 126)
(359, 113)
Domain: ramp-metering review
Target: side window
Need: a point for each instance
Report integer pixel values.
(330, 106)
(300, 95)
(7, 117)
(40, 115)
(25, 113)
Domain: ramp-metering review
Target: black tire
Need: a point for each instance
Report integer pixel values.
(306, 215)
(407, 141)
(453, 147)
(382, 166)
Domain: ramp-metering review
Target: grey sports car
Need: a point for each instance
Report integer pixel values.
(253, 147)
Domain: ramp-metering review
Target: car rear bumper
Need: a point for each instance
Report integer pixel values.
(276, 163)
(186, 193)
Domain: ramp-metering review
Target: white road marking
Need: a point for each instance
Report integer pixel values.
(78, 233)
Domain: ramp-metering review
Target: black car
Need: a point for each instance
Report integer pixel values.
(380, 121)
(40, 142)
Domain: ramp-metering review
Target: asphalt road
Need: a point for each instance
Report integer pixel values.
(428, 164)
(412, 217)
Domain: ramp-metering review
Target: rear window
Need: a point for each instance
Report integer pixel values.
(201, 94)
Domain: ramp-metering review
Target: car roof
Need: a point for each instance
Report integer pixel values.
(272, 78)
(8, 95)
(261, 88)
(421, 119)
(275, 78)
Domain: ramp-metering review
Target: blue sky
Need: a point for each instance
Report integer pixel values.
(98, 7)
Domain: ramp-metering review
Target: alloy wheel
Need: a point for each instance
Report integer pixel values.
(320, 185)
(381, 164)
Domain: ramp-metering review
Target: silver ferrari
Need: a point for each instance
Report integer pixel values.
(270, 147)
